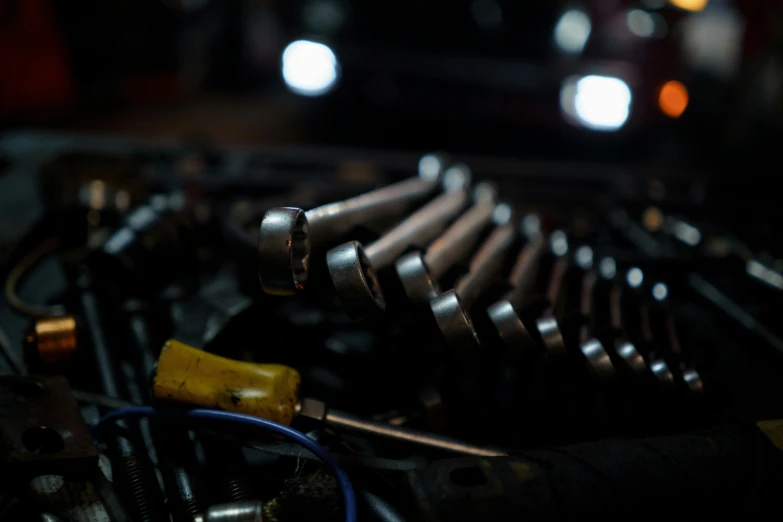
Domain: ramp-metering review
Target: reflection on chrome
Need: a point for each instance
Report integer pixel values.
(660, 291)
(635, 277)
(608, 267)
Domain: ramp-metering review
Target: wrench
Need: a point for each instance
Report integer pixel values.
(419, 273)
(451, 308)
(658, 366)
(690, 376)
(548, 326)
(598, 360)
(631, 357)
(288, 235)
(503, 314)
(353, 268)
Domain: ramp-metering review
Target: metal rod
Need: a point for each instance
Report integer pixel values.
(346, 421)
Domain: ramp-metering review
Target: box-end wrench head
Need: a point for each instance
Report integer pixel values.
(599, 363)
(419, 272)
(355, 279)
(548, 326)
(504, 314)
(452, 308)
(693, 382)
(663, 375)
(631, 358)
(691, 379)
(287, 235)
(354, 268)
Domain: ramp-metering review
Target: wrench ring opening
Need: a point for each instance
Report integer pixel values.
(283, 251)
(355, 280)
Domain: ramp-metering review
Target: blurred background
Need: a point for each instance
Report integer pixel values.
(693, 83)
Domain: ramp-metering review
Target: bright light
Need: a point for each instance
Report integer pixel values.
(635, 277)
(596, 102)
(640, 23)
(690, 5)
(673, 99)
(309, 68)
(572, 31)
(660, 291)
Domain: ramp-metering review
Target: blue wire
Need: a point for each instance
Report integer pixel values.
(349, 498)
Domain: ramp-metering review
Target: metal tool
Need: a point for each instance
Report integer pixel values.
(353, 268)
(593, 350)
(247, 511)
(452, 308)
(505, 313)
(186, 374)
(288, 235)
(548, 325)
(631, 358)
(690, 376)
(420, 272)
(317, 410)
(658, 366)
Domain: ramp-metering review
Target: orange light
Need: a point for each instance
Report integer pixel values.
(690, 5)
(673, 99)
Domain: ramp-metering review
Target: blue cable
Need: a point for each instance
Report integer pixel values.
(349, 498)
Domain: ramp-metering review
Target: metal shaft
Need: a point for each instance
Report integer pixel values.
(525, 271)
(553, 292)
(419, 228)
(346, 421)
(586, 305)
(458, 240)
(334, 219)
(486, 264)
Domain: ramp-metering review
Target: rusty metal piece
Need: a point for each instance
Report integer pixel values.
(41, 429)
(53, 339)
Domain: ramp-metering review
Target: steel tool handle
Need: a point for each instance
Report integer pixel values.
(335, 219)
(420, 227)
(459, 239)
(486, 264)
(525, 271)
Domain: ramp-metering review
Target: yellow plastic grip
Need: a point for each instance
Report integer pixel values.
(193, 376)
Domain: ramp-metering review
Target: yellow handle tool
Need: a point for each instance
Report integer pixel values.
(187, 374)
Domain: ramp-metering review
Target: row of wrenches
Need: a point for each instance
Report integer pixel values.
(290, 238)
